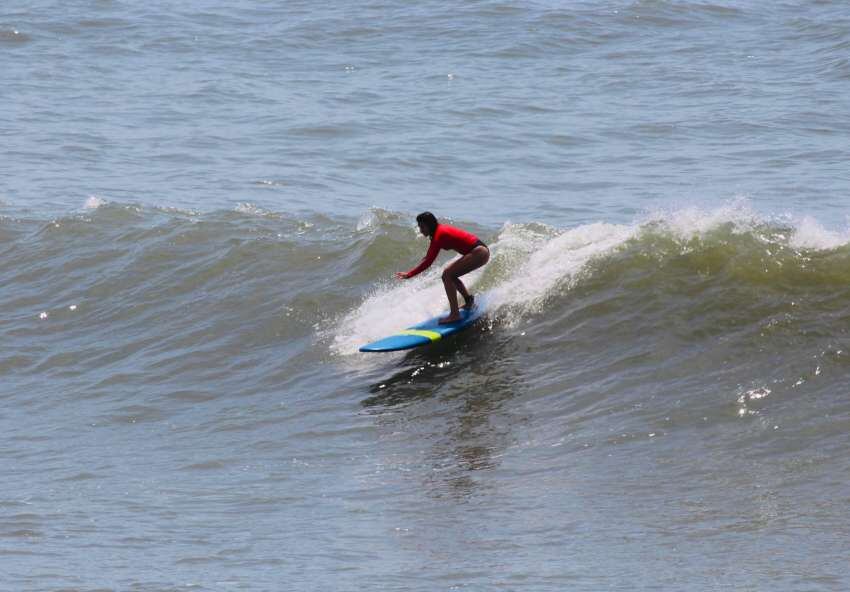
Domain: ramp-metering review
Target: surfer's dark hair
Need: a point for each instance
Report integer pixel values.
(429, 221)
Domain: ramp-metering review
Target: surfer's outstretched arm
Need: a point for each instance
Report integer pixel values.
(426, 262)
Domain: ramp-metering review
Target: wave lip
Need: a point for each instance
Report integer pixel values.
(552, 262)
(810, 234)
(93, 202)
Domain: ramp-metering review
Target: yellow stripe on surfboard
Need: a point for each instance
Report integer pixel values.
(432, 335)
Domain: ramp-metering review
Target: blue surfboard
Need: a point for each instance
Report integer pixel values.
(427, 332)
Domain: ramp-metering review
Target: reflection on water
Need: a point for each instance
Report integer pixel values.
(452, 396)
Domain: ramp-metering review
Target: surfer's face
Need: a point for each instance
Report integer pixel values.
(423, 230)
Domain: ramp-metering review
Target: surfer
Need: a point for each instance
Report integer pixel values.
(474, 254)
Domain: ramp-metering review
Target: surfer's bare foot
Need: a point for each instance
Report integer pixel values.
(452, 318)
(469, 302)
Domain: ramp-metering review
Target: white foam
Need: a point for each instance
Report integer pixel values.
(810, 234)
(693, 221)
(555, 261)
(372, 219)
(367, 222)
(250, 209)
(392, 307)
(94, 202)
(519, 239)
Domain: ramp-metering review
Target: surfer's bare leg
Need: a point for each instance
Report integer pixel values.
(451, 275)
(451, 293)
(467, 298)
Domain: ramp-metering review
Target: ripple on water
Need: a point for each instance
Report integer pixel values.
(12, 36)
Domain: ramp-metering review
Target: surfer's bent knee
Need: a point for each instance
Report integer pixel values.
(485, 250)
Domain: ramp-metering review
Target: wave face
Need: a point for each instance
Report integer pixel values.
(120, 293)
(693, 358)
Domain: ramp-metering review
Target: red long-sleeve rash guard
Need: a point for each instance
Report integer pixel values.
(445, 237)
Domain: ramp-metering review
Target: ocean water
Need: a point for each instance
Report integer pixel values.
(201, 209)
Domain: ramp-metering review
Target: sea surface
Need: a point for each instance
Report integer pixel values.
(202, 205)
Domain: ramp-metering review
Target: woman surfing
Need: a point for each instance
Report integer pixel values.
(474, 254)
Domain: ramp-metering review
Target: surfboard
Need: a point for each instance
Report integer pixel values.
(426, 332)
